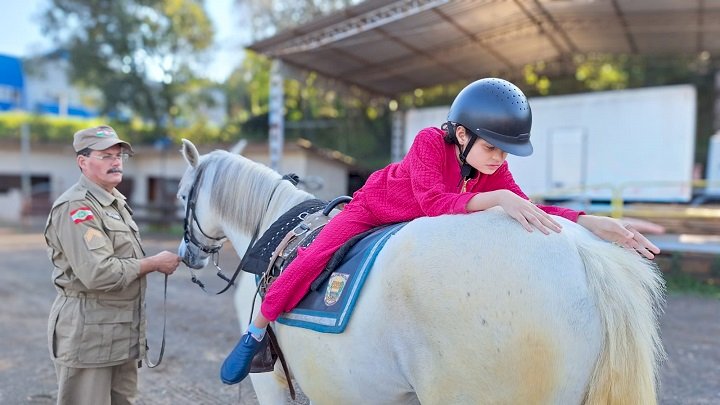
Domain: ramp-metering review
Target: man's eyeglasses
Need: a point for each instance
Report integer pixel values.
(111, 158)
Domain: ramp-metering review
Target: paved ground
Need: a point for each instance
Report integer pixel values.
(201, 329)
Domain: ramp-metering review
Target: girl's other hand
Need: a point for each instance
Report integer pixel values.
(625, 235)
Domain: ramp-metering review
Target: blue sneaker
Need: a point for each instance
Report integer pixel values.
(237, 364)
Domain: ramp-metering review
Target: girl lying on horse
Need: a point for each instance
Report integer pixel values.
(458, 169)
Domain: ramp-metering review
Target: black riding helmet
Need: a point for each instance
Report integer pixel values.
(496, 111)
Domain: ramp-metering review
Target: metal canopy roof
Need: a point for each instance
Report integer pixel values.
(390, 47)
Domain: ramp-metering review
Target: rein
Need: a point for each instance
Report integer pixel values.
(150, 364)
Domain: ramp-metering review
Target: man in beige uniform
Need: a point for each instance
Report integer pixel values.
(96, 330)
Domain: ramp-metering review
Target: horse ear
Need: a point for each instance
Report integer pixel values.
(239, 147)
(190, 153)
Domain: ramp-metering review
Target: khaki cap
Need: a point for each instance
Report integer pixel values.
(98, 138)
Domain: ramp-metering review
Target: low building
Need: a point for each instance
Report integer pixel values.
(152, 175)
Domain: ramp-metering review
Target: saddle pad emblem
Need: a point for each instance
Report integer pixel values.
(335, 287)
(328, 307)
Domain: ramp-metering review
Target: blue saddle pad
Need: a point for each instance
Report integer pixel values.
(329, 308)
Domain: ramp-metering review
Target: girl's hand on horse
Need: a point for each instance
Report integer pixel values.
(625, 235)
(520, 209)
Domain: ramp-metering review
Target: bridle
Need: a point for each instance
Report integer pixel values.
(214, 249)
(191, 219)
(189, 237)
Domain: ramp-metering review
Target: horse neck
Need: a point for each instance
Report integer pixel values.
(284, 197)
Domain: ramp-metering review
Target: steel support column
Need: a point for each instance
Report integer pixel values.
(397, 140)
(276, 115)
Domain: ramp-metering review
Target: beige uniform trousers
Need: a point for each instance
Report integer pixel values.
(116, 385)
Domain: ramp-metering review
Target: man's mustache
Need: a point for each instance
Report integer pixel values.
(115, 170)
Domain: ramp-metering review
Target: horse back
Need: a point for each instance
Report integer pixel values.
(468, 308)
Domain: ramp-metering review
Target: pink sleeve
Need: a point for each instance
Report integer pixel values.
(425, 162)
(566, 213)
(505, 180)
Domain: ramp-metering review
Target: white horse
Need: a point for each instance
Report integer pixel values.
(458, 309)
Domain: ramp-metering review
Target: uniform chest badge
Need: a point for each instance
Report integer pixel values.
(335, 287)
(113, 215)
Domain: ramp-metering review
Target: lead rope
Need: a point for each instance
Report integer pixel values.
(162, 345)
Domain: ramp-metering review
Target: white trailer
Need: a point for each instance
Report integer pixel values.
(712, 189)
(638, 144)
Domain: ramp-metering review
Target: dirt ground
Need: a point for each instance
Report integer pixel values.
(202, 329)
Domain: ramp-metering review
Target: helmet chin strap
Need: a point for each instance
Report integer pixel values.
(466, 171)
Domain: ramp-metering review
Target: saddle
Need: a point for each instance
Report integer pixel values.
(271, 255)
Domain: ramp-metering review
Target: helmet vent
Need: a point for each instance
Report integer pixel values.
(507, 93)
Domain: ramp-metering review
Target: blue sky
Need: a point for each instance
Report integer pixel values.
(22, 36)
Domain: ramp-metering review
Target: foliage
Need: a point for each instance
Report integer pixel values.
(686, 284)
(42, 128)
(248, 94)
(53, 129)
(140, 54)
(339, 118)
(612, 72)
(596, 72)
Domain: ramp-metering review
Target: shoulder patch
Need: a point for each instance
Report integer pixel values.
(81, 214)
(94, 239)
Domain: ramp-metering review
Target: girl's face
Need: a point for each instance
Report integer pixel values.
(483, 156)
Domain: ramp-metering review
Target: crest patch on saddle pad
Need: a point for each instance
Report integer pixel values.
(81, 214)
(335, 287)
(328, 307)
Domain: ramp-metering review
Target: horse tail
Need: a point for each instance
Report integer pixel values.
(629, 293)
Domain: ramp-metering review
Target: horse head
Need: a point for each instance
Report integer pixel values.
(227, 196)
(202, 235)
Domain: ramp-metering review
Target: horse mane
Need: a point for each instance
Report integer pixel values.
(240, 189)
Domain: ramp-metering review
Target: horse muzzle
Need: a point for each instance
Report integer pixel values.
(191, 259)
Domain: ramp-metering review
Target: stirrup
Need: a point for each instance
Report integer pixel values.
(264, 360)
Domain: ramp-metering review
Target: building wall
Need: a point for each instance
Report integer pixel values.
(59, 165)
(322, 177)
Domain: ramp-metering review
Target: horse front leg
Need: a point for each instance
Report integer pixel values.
(270, 388)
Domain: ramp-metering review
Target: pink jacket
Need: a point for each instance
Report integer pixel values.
(425, 183)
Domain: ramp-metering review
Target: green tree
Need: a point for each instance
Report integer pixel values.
(141, 54)
(330, 116)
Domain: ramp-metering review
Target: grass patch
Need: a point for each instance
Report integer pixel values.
(162, 231)
(687, 284)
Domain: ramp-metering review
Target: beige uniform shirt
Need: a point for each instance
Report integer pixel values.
(98, 317)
